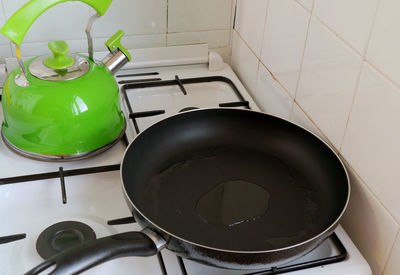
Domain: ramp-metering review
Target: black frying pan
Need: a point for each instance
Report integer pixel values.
(226, 187)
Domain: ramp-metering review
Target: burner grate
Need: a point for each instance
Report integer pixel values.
(342, 254)
(12, 238)
(61, 174)
(180, 83)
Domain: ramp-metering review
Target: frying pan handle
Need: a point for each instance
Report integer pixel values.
(87, 255)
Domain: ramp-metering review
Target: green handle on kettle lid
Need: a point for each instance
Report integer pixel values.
(18, 25)
(60, 59)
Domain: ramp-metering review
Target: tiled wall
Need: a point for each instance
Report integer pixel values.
(334, 67)
(147, 23)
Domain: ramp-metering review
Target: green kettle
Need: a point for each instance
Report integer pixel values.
(62, 106)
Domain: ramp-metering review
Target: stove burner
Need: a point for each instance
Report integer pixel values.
(61, 236)
(188, 109)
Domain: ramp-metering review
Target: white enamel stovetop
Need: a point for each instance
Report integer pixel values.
(30, 207)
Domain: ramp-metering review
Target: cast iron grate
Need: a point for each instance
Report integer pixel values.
(241, 102)
(341, 255)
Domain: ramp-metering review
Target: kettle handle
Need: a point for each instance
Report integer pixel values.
(18, 25)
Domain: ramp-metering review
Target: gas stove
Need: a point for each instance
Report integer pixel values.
(36, 195)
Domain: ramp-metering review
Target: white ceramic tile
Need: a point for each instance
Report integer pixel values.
(133, 17)
(327, 82)
(215, 39)
(299, 117)
(250, 22)
(383, 49)
(369, 224)
(195, 15)
(244, 63)
(371, 143)
(3, 39)
(351, 19)
(5, 51)
(3, 75)
(270, 96)
(393, 266)
(64, 21)
(308, 4)
(284, 39)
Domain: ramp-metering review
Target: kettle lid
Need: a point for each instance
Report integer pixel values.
(59, 66)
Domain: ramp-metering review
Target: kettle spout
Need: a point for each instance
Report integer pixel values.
(118, 55)
(115, 60)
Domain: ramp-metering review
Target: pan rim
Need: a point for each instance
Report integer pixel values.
(330, 228)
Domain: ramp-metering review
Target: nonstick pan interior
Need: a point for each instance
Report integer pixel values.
(235, 180)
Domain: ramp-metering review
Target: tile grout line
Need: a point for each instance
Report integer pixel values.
(336, 35)
(265, 26)
(372, 27)
(260, 61)
(232, 32)
(355, 51)
(313, 123)
(234, 13)
(351, 105)
(359, 75)
(366, 49)
(167, 25)
(301, 69)
(277, 81)
(9, 43)
(233, 22)
(370, 190)
(391, 251)
(4, 10)
(304, 7)
(302, 58)
(207, 30)
(382, 74)
(281, 86)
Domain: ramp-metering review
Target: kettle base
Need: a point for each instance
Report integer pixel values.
(62, 158)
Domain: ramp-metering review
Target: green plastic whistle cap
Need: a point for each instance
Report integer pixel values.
(114, 42)
(59, 60)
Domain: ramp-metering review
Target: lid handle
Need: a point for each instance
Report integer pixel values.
(18, 25)
(59, 60)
